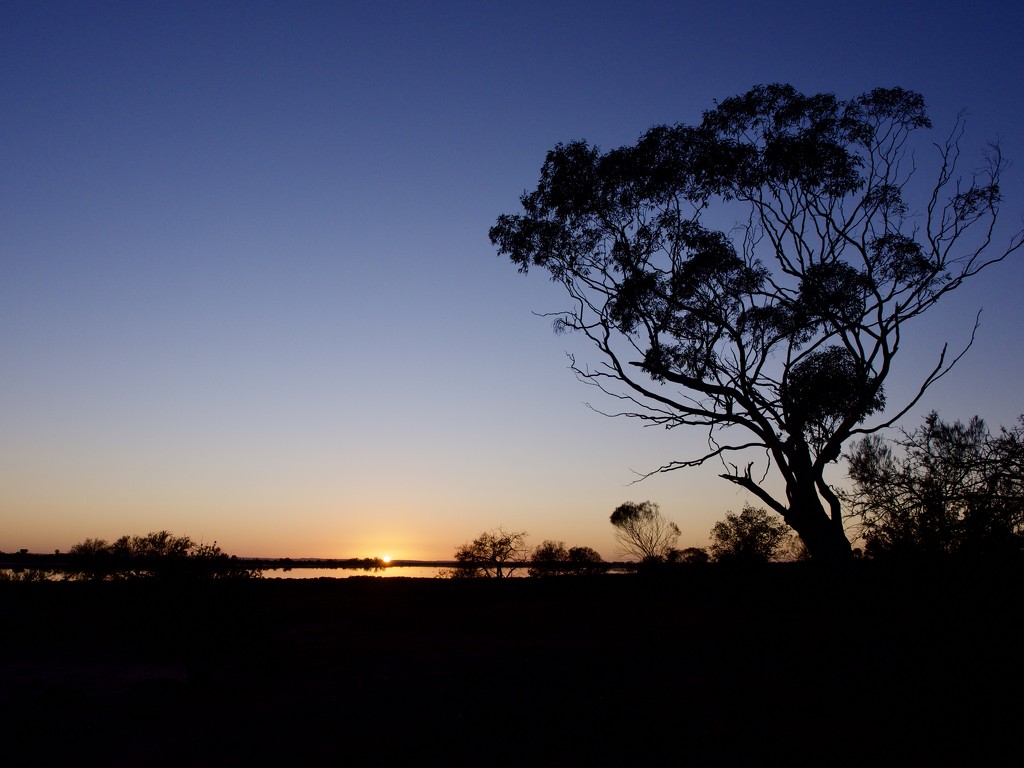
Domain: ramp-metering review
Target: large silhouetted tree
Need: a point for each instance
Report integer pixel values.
(753, 276)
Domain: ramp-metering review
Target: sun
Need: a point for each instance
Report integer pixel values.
(386, 558)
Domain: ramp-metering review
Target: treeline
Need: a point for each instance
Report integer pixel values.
(157, 555)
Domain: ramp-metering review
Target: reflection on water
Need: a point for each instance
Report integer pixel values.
(412, 572)
(30, 574)
(392, 571)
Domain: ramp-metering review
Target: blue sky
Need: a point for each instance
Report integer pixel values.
(246, 290)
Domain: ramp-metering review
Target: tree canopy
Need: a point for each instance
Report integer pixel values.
(949, 489)
(753, 275)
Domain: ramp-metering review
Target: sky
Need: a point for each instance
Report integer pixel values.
(246, 288)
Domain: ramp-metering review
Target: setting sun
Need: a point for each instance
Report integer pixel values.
(386, 558)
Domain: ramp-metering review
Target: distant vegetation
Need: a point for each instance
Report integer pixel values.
(157, 555)
(643, 532)
(499, 554)
(551, 558)
(492, 554)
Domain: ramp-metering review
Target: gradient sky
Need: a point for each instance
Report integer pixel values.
(246, 290)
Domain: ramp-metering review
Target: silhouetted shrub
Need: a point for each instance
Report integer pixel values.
(752, 536)
(951, 490)
(551, 558)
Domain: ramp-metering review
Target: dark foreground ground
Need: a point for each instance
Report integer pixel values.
(786, 665)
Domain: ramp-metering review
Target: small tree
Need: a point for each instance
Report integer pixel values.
(494, 553)
(549, 558)
(752, 536)
(643, 532)
(585, 561)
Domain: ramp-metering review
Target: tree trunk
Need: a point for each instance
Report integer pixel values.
(824, 541)
(824, 537)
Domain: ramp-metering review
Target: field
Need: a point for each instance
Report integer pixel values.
(705, 667)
